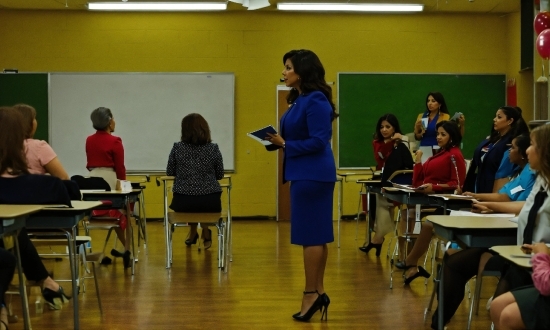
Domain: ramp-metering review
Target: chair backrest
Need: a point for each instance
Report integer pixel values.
(401, 177)
(92, 182)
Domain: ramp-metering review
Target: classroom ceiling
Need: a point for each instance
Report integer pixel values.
(452, 6)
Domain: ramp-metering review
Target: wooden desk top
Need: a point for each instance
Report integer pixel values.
(362, 181)
(448, 221)
(514, 254)
(8, 211)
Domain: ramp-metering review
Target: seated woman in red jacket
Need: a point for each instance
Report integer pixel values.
(444, 172)
(105, 158)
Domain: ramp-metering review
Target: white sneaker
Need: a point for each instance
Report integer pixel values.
(488, 306)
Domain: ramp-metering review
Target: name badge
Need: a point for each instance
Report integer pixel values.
(516, 190)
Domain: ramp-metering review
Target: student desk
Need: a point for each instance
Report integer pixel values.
(471, 232)
(64, 218)
(229, 238)
(120, 200)
(341, 178)
(13, 219)
(513, 254)
(371, 187)
(451, 201)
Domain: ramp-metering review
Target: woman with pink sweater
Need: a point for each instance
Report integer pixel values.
(527, 307)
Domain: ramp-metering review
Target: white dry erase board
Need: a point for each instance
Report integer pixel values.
(147, 108)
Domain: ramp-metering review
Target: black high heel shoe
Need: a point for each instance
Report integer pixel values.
(421, 272)
(55, 298)
(207, 242)
(193, 240)
(367, 248)
(317, 306)
(324, 308)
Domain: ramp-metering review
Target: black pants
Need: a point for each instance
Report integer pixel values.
(7, 267)
(33, 268)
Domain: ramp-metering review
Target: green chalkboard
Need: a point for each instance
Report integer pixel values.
(31, 89)
(364, 97)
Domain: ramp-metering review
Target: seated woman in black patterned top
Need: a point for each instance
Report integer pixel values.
(197, 164)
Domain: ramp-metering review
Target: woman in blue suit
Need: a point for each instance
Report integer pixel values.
(305, 134)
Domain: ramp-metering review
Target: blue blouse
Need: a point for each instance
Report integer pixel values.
(520, 187)
(506, 168)
(430, 135)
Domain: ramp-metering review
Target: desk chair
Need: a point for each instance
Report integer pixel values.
(179, 219)
(104, 222)
(85, 259)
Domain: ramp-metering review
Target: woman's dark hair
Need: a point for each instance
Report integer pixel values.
(523, 142)
(453, 130)
(518, 126)
(390, 118)
(101, 117)
(12, 134)
(312, 76)
(440, 99)
(29, 115)
(195, 130)
(541, 136)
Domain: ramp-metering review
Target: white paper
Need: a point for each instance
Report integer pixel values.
(427, 152)
(424, 123)
(472, 214)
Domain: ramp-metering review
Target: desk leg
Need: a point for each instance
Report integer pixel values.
(229, 237)
(129, 246)
(74, 274)
(340, 193)
(22, 287)
(440, 299)
(166, 227)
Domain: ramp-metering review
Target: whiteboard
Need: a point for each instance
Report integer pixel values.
(147, 108)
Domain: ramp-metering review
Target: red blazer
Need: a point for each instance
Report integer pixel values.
(106, 150)
(439, 169)
(382, 151)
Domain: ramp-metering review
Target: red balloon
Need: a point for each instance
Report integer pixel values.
(543, 44)
(542, 22)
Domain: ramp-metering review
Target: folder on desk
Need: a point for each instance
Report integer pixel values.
(261, 134)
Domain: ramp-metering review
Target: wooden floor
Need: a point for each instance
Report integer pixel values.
(262, 289)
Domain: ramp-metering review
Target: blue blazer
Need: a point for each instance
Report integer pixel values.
(481, 174)
(306, 128)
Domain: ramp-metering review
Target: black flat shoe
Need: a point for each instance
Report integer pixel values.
(421, 272)
(317, 306)
(126, 259)
(193, 240)
(55, 298)
(367, 248)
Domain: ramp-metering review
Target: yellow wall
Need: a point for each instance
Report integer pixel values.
(251, 45)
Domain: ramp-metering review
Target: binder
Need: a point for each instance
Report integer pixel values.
(261, 134)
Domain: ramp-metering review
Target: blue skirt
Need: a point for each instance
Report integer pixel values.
(311, 212)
